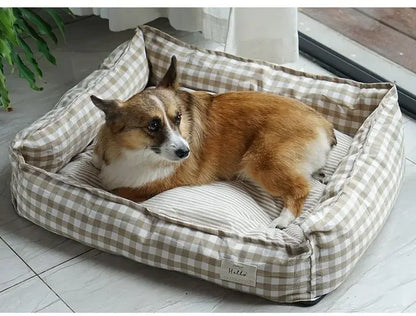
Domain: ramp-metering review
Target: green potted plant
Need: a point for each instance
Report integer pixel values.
(17, 26)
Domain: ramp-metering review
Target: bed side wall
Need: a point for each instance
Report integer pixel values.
(359, 197)
(345, 103)
(55, 138)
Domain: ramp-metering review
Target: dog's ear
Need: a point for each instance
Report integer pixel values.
(111, 108)
(112, 111)
(169, 80)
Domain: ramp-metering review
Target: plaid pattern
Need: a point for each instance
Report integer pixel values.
(346, 106)
(308, 259)
(48, 147)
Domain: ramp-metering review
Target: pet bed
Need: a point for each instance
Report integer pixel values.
(220, 232)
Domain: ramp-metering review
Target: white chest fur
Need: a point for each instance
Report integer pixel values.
(134, 168)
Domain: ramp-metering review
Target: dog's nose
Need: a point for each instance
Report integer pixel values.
(182, 152)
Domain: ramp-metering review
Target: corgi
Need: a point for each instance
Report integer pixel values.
(165, 137)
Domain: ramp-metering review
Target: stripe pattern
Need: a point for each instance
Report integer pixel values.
(55, 186)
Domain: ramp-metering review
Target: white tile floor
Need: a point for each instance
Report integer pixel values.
(43, 272)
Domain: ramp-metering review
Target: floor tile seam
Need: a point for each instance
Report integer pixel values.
(16, 284)
(42, 274)
(36, 275)
(65, 261)
(410, 160)
(63, 301)
(14, 251)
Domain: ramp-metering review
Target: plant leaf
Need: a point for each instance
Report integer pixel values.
(30, 57)
(57, 19)
(26, 28)
(43, 27)
(4, 92)
(44, 49)
(5, 51)
(7, 20)
(25, 72)
(42, 45)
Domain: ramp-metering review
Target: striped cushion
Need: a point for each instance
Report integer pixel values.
(54, 185)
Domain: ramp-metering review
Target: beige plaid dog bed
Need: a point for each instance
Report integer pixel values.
(220, 232)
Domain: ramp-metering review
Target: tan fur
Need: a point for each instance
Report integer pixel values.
(252, 134)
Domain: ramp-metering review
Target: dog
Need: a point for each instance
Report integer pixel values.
(165, 137)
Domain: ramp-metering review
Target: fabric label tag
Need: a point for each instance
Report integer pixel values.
(238, 272)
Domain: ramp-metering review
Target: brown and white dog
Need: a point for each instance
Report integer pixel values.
(164, 137)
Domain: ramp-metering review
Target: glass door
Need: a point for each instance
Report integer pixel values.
(364, 44)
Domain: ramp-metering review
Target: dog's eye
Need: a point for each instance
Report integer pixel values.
(178, 118)
(154, 125)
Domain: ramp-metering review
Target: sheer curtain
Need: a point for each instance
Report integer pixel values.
(259, 33)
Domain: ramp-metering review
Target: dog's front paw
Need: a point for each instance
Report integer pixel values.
(285, 218)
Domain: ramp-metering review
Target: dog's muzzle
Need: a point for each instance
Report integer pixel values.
(175, 147)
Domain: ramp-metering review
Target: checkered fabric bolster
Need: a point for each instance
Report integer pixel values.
(55, 138)
(345, 103)
(330, 239)
(359, 198)
(104, 221)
